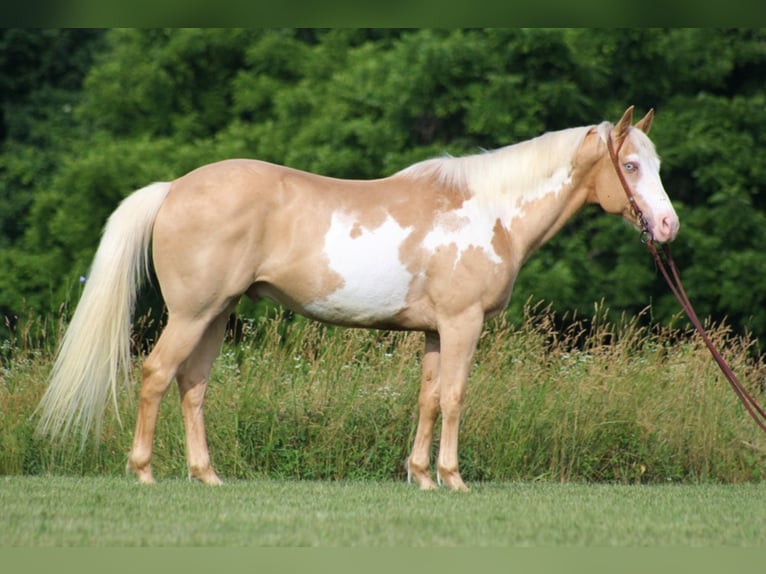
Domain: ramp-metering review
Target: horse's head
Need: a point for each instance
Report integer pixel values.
(640, 167)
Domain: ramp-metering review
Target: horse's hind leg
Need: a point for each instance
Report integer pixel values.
(192, 380)
(176, 344)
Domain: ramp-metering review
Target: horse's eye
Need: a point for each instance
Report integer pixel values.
(631, 167)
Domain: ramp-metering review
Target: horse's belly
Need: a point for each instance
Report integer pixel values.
(360, 303)
(371, 284)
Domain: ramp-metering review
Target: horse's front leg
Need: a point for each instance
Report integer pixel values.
(428, 405)
(459, 337)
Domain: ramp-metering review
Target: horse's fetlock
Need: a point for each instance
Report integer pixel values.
(451, 478)
(421, 474)
(205, 474)
(142, 470)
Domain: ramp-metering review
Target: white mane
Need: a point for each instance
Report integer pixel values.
(530, 167)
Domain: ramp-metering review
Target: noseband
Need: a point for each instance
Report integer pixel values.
(669, 270)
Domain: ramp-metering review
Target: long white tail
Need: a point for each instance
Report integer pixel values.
(95, 352)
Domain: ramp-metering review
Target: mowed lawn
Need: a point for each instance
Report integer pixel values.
(59, 511)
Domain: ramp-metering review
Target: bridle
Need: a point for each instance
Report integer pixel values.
(667, 266)
(646, 234)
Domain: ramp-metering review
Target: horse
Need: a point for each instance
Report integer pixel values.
(434, 248)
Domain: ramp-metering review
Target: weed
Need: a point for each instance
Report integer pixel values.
(587, 401)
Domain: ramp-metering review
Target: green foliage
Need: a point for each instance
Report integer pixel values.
(127, 107)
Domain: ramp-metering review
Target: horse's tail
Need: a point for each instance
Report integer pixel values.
(94, 355)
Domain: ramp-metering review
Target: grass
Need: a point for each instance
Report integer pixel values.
(590, 434)
(591, 401)
(61, 511)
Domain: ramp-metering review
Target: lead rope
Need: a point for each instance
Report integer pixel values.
(670, 272)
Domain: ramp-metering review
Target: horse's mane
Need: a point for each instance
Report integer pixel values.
(522, 167)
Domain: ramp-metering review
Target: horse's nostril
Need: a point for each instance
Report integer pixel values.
(669, 226)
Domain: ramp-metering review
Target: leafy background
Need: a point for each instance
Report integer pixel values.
(90, 115)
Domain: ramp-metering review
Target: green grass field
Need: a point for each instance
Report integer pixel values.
(56, 511)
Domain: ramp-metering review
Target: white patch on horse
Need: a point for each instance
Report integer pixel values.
(493, 198)
(502, 182)
(375, 282)
(524, 193)
(649, 186)
(470, 226)
(514, 187)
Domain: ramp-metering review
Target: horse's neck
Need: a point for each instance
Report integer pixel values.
(531, 206)
(531, 188)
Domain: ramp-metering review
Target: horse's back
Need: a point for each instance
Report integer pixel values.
(240, 226)
(368, 253)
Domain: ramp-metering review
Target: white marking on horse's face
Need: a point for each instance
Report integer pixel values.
(654, 201)
(375, 282)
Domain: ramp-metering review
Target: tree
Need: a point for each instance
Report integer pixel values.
(143, 105)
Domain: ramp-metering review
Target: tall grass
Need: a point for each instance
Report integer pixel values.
(589, 401)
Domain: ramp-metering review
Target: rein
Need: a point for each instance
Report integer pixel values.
(669, 270)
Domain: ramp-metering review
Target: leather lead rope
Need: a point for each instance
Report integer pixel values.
(670, 272)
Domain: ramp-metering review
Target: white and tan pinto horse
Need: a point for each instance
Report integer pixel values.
(433, 248)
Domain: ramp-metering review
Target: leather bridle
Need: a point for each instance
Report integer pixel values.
(669, 270)
(643, 224)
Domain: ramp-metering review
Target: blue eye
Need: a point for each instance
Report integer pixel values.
(631, 167)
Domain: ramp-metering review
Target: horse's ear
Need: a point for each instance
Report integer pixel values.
(621, 129)
(645, 123)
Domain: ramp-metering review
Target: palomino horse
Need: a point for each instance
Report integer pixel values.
(434, 248)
